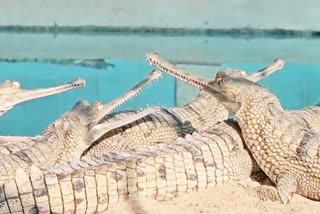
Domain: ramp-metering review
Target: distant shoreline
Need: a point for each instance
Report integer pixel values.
(100, 30)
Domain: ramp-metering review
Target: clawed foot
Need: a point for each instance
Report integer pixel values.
(263, 192)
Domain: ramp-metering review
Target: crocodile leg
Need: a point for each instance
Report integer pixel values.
(11, 93)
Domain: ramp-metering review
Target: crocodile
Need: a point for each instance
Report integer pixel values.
(170, 123)
(12, 94)
(286, 151)
(307, 117)
(284, 143)
(66, 139)
(99, 63)
(202, 160)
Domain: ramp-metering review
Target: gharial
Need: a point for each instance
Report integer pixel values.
(12, 94)
(68, 137)
(286, 151)
(285, 148)
(307, 117)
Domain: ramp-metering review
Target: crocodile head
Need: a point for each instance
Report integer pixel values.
(238, 77)
(233, 89)
(7, 89)
(70, 136)
(75, 131)
(245, 93)
(12, 94)
(160, 63)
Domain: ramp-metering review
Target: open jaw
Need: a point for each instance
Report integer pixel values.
(163, 65)
(12, 94)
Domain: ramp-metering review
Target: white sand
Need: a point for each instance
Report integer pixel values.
(229, 198)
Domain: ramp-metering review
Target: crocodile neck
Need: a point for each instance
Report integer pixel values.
(207, 110)
(258, 111)
(263, 123)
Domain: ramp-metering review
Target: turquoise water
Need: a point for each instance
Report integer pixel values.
(297, 86)
(31, 118)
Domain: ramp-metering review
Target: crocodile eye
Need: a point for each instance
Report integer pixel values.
(15, 84)
(219, 74)
(219, 77)
(219, 81)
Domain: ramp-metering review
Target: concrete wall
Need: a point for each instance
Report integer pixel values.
(285, 14)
